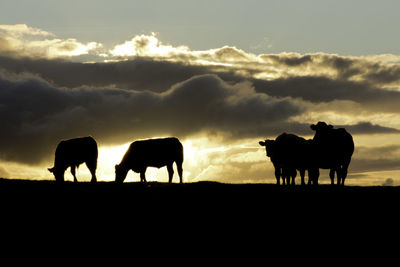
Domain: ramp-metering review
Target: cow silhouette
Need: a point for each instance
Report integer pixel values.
(72, 153)
(151, 153)
(334, 148)
(288, 153)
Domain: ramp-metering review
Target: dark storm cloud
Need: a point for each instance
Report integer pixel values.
(317, 89)
(385, 74)
(343, 67)
(303, 129)
(158, 76)
(43, 101)
(368, 128)
(138, 74)
(369, 165)
(35, 115)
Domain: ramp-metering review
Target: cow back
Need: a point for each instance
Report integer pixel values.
(334, 146)
(76, 151)
(154, 153)
(294, 151)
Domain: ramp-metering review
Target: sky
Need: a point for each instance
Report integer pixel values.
(219, 75)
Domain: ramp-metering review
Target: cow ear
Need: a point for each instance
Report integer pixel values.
(313, 127)
(51, 169)
(262, 143)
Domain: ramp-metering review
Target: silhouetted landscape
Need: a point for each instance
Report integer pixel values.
(201, 211)
(192, 197)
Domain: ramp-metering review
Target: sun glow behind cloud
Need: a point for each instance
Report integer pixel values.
(148, 46)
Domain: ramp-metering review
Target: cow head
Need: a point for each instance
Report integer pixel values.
(120, 173)
(322, 131)
(269, 147)
(58, 173)
(321, 126)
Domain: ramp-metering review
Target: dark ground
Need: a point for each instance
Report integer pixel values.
(205, 215)
(197, 198)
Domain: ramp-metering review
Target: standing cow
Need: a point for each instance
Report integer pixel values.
(72, 153)
(334, 148)
(151, 153)
(288, 153)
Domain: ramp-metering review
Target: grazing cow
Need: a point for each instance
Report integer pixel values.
(289, 153)
(151, 153)
(334, 148)
(72, 153)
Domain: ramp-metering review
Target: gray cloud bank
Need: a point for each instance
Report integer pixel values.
(373, 88)
(381, 158)
(43, 101)
(35, 114)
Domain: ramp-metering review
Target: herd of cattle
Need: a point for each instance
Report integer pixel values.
(329, 149)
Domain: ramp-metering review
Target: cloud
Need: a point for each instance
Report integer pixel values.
(243, 161)
(155, 66)
(148, 46)
(368, 128)
(23, 30)
(376, 158)
(138, 74)
(157, 89)
(3, 173)
(373, 165)
(22, 41)
(36, 115)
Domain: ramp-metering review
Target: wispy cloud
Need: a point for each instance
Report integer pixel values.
(21, 40)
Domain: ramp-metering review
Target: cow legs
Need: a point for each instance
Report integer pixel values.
(170, 172)
(284, 175)
(343, 175)
(92, 169)
(143, 176)
(73, 173)
(316, 176)
(180, 171)
(313, 175)
(278, 175)
(293, 174)
(302, 174)
(339, 174)
(344, 169)
(288, 173)
(332, 176)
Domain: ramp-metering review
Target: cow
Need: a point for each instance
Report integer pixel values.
(334, 148)
(288, 153)
(151, 153)
(271, 153)
(72, 153)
